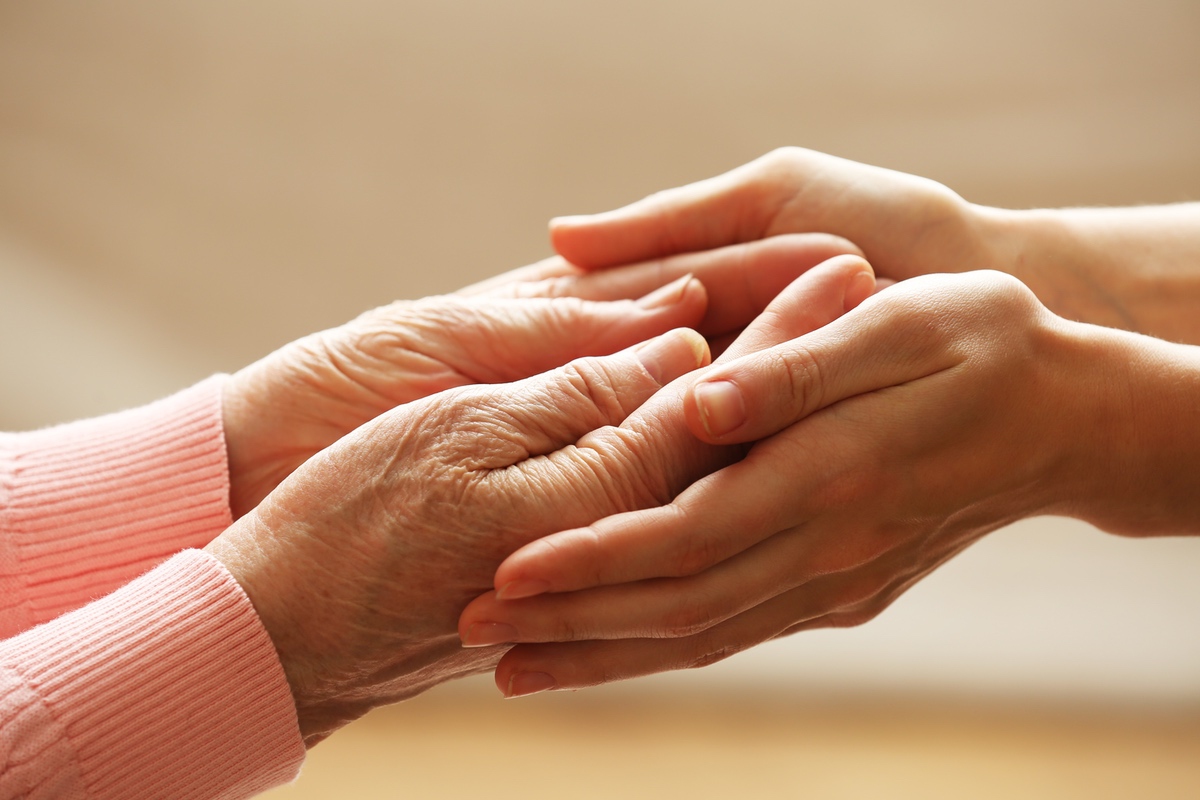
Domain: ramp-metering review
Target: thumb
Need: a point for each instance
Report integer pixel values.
(884, 342)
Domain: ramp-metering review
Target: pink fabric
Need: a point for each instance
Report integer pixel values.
(167, 687)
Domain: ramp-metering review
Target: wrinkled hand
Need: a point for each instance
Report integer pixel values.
(360, 562)
(940, 409)
(286, 407)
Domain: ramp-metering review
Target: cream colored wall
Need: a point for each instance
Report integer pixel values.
(184, 186)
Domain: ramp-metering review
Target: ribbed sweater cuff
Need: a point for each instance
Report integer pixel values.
(169, 687)
(87, 506)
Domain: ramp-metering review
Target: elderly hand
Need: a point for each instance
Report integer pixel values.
(940, 409)
(284, 408)
(360, 562)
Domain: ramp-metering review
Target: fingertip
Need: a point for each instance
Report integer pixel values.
(673, 354)
(683, 291)
(699, 346)
(720, 408)
(608, 239)
(569, 238)
(859, 287)
(567, 220)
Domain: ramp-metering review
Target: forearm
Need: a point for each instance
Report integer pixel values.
(1137, 269)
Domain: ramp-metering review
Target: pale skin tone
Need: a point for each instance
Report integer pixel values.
(942, 408)
(379, 481)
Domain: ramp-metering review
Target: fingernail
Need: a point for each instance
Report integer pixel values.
(668, 295)
(516, 590)
(666, 360)
(570, 219)
(524, 683)
(485, 634)
(859, 288)
(722, 408)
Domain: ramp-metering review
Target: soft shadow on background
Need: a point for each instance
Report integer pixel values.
(185, 186)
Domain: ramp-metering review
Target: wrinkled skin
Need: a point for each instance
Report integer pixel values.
(288, 406)
(360, 562)
(939, 410)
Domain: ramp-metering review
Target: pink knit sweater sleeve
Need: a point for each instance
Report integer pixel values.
(88, 506)
(167, 687)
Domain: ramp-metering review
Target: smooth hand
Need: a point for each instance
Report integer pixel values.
(288, 406)
(940, 409)
(905, 225)
(1135, 269)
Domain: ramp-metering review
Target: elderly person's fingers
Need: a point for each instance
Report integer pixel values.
(359, 563)
(516, 282)
(618, 548)
(496, 340)
(741, 280)
(549, 412)
(282, 409)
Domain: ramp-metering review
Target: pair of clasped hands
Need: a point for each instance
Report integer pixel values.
(553, 451)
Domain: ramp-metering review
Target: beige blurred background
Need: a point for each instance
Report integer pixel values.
(184, 186)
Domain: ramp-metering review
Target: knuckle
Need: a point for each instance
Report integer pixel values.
(581, 557)
(594, 383)
(799, 367)
(629, 468)
(565, 629)
(696, 553)
(684, 620)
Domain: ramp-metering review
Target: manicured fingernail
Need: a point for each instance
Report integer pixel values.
(485, 634)
(859, 288)
(569, 219)
(668, 295)
(722, 408)
(666, 359)
(524, 683)
(515, 590)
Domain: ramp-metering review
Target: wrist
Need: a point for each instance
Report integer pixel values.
(242, 450)
(1136, 423)
(1051, 253)
(1128, 268)
(259, 451)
